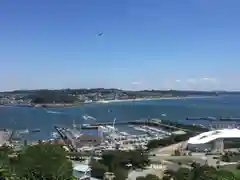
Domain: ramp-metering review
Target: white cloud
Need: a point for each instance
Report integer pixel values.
(209, 79)
(193, 83)
(191, 80)
(136, 83)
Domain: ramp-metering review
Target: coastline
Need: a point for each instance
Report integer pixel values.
(118, 100)
(152, 99)
(63, 105)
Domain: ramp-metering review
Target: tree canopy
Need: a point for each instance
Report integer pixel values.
(43, 161)
(199, 173)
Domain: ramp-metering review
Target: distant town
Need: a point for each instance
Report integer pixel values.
(76, 96)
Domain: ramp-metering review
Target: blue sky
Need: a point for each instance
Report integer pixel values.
(146, 44)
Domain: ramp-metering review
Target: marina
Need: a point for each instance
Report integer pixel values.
(102, 137)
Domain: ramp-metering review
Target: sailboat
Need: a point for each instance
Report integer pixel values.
(110, 128)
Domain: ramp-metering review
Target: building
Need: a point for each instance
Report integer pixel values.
(215, 141)
(4, 137)
(82, 172)
(93, 130)
(87, 140)
(109, 176)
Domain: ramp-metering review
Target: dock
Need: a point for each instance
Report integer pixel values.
(68, 140)
(156, 123)
(226, 119)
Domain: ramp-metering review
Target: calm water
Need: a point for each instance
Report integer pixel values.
(32, 118)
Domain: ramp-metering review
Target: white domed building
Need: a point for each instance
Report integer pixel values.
(214, 140)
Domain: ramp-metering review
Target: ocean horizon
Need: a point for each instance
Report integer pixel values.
(20, 118)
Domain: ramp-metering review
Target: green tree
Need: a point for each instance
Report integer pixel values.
(140, 178)
(42, 162)
(98, 169)
(151, 177)
(5, 169)
(225, 157)
(120, 174)
(199, 173)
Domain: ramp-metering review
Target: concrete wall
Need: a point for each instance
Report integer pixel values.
(200, 147)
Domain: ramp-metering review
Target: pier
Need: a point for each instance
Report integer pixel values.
(226, 119)
(66, 138)
(156, 123)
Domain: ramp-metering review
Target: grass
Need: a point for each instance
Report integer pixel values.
(233, 169)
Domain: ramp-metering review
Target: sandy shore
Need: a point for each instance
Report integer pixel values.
(152, 99)
(118, 100)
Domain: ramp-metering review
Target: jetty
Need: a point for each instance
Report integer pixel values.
(213, 119)
(66, 137)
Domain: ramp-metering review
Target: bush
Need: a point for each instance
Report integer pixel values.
(43, 162)
(177, 153)
(98, 169)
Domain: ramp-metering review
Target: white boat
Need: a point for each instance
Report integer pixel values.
(124, 133)
(86, 117)
(26, 131)
(140, 129)
(109, 128)
(103, 101)
(55, 135)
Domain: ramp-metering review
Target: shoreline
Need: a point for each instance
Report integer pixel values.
(153, 99)
(61, 105)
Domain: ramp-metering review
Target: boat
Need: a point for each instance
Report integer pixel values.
(109, 128)
(140, 129)
(202, 118)
(55, 135)
(124, 133)
(87, 117)
(35, 130)
(26, 131)
(89, 126)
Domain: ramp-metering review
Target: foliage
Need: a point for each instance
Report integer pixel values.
(115, 159)
(225, 157)
(199, 173)
(43, 161)
(120, 174)
(148, 177)
(98, 169)
(42, 97)
(185, 126)
(140, 178)
(176, 153)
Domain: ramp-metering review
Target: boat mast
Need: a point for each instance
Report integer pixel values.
(114, 120)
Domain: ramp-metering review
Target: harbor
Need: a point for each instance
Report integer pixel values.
(111, 135)
(102, 137)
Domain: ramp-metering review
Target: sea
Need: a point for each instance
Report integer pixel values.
(20, 118)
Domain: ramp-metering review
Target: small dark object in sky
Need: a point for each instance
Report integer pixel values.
(99, 34)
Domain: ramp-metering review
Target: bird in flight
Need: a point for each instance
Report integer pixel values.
(99, 34)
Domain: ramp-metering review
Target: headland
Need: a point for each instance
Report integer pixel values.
(75, 97)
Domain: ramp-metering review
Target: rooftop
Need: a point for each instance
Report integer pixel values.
(82, 168)
(213, 135)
